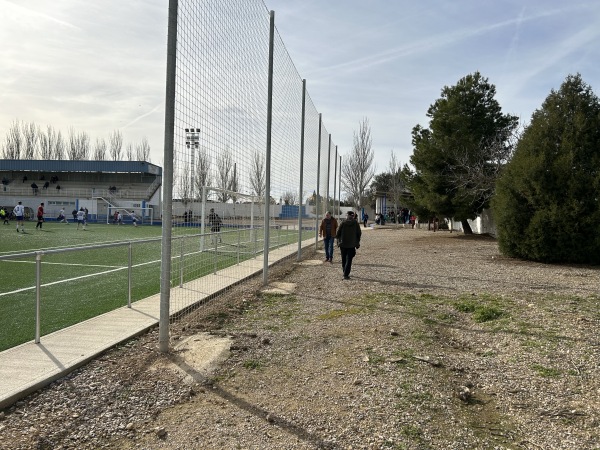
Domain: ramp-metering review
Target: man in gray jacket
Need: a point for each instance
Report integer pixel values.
(348, 237)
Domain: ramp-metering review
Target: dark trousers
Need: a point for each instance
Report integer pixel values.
(328, 246)
(347, 255)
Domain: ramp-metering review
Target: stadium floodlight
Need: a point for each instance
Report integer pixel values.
(192, 142)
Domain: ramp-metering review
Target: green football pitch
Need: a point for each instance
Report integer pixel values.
(78, 285)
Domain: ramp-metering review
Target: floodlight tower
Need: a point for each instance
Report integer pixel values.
(192, 142)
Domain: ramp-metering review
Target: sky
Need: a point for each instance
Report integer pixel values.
(100, 66)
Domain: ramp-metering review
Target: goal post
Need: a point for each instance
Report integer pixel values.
(144, 215)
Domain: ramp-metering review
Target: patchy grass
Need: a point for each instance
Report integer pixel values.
(546, 372)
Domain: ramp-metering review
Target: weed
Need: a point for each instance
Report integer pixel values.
(252, 364)
(374, 358)
(546, 372)
(487, 313)
(412, 431)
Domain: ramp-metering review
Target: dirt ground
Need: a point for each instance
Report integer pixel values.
(437, 341)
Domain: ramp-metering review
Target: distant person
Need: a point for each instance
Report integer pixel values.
(134, 218)
(327, 231)
(40, 216)
(4, 216)
(81, 218)
(19, 212)
(46, 184)
(74, 214)
(365, 219)
(119, 218)
(348, 237)
(85, 210)
(24, 178)
(61, 216)
(214, 222)
(34, 187)
(115, 217)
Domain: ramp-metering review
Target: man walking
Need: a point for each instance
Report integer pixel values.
(348, 237)
(40, 216)
(4, 216)
(327, 231)
(19, 213)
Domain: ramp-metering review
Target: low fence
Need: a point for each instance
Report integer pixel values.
(70, 285)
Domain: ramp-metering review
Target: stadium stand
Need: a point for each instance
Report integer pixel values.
(95, 185)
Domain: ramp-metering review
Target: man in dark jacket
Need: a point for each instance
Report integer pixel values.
(348, 237)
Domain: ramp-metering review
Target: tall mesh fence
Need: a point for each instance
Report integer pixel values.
(219, 204)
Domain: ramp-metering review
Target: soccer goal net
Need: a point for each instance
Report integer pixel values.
(129, 215)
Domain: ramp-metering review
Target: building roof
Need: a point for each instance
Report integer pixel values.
(43, 165)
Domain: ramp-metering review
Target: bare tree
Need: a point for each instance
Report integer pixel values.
(357, 169)
(31, 134)
(79, 145)
(185, 185)
(224, 173)
(234, 182)
(203, 177)
(14, 142)
(58, 151)
(129, 152)
(289, 197)
(475, 176)
(142, 150)
(72, 151)
(44, 146)
(100, 150)
(116, 145)
(396, 184)
(47, 143)
(257, 174)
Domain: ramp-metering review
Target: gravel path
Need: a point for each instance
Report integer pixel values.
(437, 341)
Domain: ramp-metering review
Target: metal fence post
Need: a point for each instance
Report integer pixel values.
(129, 275)
(334, 181)
(215, 253)
(268, 153)
(318, 187)
(301, 188)
(38, 294)
(167, 207)
(340, 190)
(181, 263)
(238, 246)
(328, 174)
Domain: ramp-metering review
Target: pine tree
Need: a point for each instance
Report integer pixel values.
(547, 203)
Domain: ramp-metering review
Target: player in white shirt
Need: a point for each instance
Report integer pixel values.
(81, 218)
(19, 212)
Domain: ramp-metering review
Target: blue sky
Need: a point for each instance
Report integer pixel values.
(99, 66)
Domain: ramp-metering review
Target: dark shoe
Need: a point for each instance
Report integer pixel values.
(346, 277)
(331, 261)
(326, 259)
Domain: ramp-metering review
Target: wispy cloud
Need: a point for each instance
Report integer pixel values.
(20, 11)
(153, 110)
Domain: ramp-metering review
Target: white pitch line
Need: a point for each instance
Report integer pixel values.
(91, 274)
(64, 264)
(68, 280)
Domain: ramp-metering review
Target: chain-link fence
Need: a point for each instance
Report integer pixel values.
(253, 167)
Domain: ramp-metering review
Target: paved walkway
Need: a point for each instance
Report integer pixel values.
(29, 367)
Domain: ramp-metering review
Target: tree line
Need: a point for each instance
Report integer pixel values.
(541, 181)
(27, 140)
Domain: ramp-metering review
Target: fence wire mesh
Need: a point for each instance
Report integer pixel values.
(219, 205)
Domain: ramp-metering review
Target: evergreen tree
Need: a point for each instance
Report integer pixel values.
(547, 203)
(466, 125)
